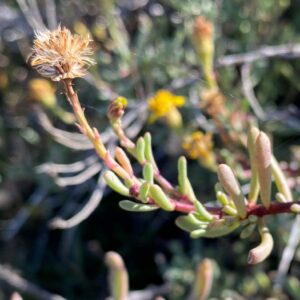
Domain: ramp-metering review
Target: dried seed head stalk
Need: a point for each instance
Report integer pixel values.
(59, 54)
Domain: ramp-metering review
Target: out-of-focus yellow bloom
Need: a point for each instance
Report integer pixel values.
(80, 28)
(164, 105)
(41, 90)
(3, 80)
(199, 146)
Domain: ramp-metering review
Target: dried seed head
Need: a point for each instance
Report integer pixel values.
(59, 54)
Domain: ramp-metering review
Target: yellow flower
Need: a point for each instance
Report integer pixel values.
(200, 146)
(59, 54)
(42, 91)
(164, 104)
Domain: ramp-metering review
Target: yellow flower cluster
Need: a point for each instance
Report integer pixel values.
(199, 145)
(164, 104)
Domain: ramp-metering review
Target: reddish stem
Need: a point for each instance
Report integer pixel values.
(253, 209)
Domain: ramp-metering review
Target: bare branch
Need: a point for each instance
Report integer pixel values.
(288, 254)
(79, 178)
(72, 140)
(249, 92)
(8, 275)
(286, 51)
(51, 14)
(86, 211)
(33, 19)
(53, 168)
(18, 221)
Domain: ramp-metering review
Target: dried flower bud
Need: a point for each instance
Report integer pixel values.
(59, 54)
(202, 28)
(116, 109)
(204, 46)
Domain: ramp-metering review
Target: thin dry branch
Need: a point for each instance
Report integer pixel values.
(288, 254)
(32, 14)
(81, 177)
(15, 224)
(285, 51)
(75, 141)
(53, 169)
(12, 278)
(86, 211)
(249, 92)
(50, 9)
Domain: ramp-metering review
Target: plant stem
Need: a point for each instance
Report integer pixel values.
(257, 210)
(93, 134)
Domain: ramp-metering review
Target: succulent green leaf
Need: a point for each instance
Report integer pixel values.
(136, 207)
(115, 183)
(230, 210)
(280, 180)
(182, 175)
(254, 184)
(195, 234)
(202, 212)
(189, 223)
(148, 172)
(148, 150)
(140, 150)
(232, 187)
(263, 156)
(160, 198)
(144, 191)
(263, 250)
(222, 197)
